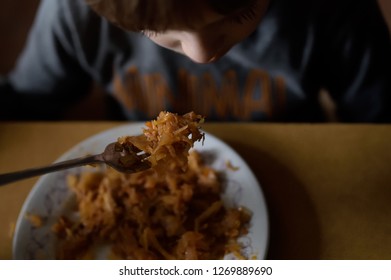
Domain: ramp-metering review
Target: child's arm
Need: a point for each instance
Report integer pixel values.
(357, 63)
(49, 74)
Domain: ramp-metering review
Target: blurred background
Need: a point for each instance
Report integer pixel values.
(16, 17)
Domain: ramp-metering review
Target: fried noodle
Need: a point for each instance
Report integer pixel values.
(171, 211)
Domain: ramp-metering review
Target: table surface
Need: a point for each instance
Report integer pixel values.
(327, 186)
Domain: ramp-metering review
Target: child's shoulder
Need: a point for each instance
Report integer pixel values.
(75, 11)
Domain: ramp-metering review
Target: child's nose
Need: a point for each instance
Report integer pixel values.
(202, 48)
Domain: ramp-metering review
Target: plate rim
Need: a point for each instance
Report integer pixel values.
(133, 126)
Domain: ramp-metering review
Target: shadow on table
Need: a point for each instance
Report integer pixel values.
(294, 228)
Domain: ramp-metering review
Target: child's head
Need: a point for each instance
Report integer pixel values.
(203, 30)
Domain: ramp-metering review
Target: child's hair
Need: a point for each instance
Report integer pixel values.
(157, 15)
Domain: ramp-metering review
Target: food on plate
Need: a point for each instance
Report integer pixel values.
(171, 211)
(35, 220)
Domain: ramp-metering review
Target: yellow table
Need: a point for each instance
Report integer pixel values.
(327, 186)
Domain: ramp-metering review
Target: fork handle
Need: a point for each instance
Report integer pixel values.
(32, 172)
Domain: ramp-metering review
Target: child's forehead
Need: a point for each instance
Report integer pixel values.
(225, 7)
(178, 14)
(159, 15)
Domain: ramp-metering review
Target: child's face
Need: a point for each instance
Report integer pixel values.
(211, 37)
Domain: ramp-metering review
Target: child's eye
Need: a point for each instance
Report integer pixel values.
(150, 33)
(248, 14)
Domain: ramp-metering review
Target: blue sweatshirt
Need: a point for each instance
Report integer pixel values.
(299, 48)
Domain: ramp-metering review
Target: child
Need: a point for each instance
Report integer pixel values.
(230, 60)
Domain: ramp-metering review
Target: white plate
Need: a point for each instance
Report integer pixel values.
(51, 198)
